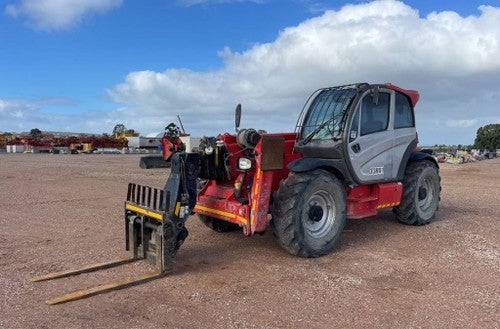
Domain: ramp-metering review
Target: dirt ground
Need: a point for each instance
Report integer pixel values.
(64, 211)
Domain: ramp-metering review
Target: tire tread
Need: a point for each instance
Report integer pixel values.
(290, 236)
(407, 212)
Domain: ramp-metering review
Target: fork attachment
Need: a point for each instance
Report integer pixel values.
(154, 228)
(155, 219)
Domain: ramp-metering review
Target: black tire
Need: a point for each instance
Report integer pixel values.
(218, 225)
(309, 213)
(421, 193)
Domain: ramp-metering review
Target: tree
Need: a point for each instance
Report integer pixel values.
(118, 129)
(35, 132)
(488, 137)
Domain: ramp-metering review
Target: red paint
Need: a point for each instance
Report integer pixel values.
(412, 94)
(217, 199)
(365, 200)
(170, 145)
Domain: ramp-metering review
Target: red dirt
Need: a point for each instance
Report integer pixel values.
(65, 211)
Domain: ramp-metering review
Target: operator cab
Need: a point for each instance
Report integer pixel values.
(364, 132)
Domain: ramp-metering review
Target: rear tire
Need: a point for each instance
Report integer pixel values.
(218, 225)
(309, 213)
(421, 193)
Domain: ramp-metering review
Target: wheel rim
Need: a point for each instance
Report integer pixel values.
(319, 214)
(425, 195)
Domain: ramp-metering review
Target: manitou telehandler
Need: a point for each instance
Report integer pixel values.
(353, 152)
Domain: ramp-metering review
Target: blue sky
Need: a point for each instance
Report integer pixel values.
(87, 65)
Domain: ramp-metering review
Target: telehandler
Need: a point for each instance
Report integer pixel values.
(354, 151)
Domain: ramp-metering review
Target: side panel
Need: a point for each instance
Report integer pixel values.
(373, 161)
(404, 143)
(365, 200)
(370, 140)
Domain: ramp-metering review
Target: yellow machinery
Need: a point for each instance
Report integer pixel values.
(121, 132)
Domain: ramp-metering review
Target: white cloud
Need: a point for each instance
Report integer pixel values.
(461, 123)
(453, 61)
(15, 113)
(25, 114)
(58, 14)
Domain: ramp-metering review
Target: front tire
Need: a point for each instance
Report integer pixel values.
(421, 193)
(309, 213)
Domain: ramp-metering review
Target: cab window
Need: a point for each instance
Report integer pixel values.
(403, 116)
(375, 116)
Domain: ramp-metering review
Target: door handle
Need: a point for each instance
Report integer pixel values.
(355, 148)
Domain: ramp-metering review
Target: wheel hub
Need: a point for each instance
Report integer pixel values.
(320, 214)
(422, 193)
(425, 194)
(315, 213)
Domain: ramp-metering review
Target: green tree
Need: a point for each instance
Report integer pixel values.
(35, 132)
(119, 128)
(488, 137)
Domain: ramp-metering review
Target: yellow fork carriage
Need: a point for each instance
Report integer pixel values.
(154, 230)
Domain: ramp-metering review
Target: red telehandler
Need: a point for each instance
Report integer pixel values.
(353, 152)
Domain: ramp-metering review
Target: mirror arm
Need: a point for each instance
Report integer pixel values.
(237, 117)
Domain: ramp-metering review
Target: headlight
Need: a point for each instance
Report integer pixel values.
(244, 164)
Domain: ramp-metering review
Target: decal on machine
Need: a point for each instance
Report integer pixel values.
(376, 171)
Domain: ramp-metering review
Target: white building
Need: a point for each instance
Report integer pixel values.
(15, 148)
(155, 142)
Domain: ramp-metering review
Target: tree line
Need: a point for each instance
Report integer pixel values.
(488, 137)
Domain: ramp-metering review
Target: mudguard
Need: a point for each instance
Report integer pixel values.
(419, 155)
(307, 164)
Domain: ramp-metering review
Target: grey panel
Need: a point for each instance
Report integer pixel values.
(371, 150)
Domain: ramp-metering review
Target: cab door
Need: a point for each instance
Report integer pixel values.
(370, 139)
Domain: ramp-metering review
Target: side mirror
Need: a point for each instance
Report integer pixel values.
(237, 117)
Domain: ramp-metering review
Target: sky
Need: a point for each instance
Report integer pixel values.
(87, 65)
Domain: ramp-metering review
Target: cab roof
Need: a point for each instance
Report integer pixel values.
(413, 95)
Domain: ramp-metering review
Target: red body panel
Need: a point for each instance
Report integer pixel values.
(365, 200)
(217, 199)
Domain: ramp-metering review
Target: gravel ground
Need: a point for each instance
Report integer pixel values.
(65, 211)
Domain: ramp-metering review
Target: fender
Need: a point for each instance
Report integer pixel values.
(412, 156)
(419, 156)
(337, 166)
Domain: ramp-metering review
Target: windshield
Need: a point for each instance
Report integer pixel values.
(326, 115)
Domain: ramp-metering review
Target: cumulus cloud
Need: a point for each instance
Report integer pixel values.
(453, 61)
(18, 111)
(461, 123)
(19, 115)
(58, 14)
